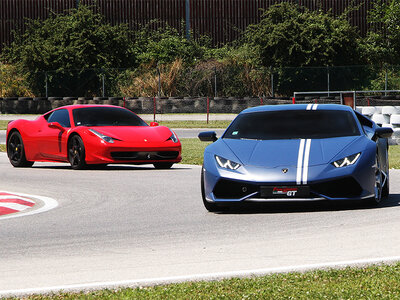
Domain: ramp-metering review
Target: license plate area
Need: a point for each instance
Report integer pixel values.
(285, 191)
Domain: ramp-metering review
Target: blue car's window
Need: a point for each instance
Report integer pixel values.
(292, 124)
(106, 116)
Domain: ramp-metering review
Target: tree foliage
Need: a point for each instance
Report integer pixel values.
(79, 40)
(292, 36)
(383, 40)
(166, 44)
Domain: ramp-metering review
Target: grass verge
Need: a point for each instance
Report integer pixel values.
(394, 156)
(2, 148)
(373, 282)
(195, 124)
(3, 124)
(192, 151)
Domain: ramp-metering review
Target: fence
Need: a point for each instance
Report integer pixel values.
(222, 20)
(207, 79)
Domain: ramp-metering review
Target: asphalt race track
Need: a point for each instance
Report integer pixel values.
(133, 223)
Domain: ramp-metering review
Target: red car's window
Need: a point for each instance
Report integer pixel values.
(106, 116)
(61, 116)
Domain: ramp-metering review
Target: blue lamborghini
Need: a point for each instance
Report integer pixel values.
(296, 152)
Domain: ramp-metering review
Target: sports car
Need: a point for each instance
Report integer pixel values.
(91, 135)
(296, 152)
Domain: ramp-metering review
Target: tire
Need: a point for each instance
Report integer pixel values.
(163, 165)
(16, 151)
(385, 189)
(76, 153)
(378, 183)
(211, 207)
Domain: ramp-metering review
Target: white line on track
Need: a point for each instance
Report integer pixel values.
(48, 203)
(195, 277)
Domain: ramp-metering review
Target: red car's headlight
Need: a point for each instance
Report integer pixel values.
(105, 138)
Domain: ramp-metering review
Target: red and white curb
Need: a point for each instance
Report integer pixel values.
(13, 205)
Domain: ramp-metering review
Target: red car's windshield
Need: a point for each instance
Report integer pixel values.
(106, 116)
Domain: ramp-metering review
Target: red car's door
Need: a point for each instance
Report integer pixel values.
(53, 135)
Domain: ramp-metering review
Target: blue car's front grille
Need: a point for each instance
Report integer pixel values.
(341, 188)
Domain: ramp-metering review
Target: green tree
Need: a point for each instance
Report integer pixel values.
(291, 36)
(383, 39)
(166, 44)
(79, 40)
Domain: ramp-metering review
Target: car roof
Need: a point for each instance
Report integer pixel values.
(286, 107)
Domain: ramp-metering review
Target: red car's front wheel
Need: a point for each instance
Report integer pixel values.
(76, 153)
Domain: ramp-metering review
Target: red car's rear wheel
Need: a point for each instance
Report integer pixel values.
(16, 151)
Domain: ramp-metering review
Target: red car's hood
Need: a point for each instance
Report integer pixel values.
(135, 133)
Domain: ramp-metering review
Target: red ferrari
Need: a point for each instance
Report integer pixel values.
(91, 135)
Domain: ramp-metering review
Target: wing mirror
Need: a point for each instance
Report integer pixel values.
(383, 132)
(56, 125)
(152, 124)
(208, 136)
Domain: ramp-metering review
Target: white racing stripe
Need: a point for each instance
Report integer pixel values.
(304, 156)
(306, 160)
(300, 161)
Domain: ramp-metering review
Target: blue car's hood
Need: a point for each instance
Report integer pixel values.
(279, 153)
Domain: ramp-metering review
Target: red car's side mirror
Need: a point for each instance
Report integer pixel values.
(56, 125)
(152, 124)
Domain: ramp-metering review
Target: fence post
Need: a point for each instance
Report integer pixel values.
(215, 81)
(154, 109)
(328, 78)
(104, 92)
(159, 80)
(208, 108)
(386, 81)
(272, 85)
(46, 86)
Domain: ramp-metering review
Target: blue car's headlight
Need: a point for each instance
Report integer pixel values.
(346, 161)
(105, 138)
(226, 163)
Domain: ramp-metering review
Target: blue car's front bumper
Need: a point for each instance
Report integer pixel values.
(325, 182)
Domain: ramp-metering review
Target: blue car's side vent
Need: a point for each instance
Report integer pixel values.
(341, 188)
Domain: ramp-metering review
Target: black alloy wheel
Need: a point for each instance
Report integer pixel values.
(163, 165)
(378, 182)
(16, 151)
(76, 153)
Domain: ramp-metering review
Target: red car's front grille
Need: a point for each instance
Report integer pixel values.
(138, 155)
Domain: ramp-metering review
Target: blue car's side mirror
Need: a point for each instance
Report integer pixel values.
(208, 136)
(384, 132)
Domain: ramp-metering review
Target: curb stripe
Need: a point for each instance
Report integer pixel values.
(18, 201)
(6, 211)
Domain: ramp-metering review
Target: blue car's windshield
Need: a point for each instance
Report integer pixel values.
(106, 116)
(293, 124)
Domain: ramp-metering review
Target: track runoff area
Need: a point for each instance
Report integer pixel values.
(14, 205)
